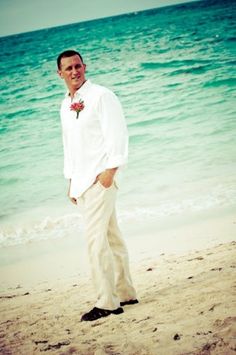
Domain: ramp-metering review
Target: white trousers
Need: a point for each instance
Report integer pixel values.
(107, 251)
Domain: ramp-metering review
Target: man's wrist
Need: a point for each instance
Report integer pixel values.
(111, 171)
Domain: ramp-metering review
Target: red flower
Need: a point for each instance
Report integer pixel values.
(77, 107)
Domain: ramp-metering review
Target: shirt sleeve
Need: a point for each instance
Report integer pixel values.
(67, 170)
(114, 130)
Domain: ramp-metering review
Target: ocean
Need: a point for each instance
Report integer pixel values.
(173, 69)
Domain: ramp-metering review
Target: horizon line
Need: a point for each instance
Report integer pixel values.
(99, 18)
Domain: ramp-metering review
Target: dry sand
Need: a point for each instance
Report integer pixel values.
(187, 306)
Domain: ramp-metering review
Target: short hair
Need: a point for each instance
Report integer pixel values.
(66, 54)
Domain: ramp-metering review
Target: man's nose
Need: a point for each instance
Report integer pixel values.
(74, 70)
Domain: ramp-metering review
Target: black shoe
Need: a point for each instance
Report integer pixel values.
(125, 303)
(97, 313)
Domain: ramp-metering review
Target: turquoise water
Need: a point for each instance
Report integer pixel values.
(173, 69)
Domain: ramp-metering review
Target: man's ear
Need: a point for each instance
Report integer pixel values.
(60, 73)
(84, 67)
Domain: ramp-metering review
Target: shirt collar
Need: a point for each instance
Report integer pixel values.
(82, 89)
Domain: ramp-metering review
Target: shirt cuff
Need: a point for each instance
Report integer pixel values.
(67, 175)
(116, 161)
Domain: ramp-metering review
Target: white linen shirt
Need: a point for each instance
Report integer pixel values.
(95, 141)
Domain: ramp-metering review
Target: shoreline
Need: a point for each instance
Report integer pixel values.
(57, 259)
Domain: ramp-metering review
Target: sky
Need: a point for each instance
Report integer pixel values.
(17, 16)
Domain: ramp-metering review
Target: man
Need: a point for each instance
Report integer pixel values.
(95, 144)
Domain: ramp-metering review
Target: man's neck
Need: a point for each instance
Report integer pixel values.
(74, 89)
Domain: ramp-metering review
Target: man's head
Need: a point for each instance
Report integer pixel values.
(71, 68)
(67, 54)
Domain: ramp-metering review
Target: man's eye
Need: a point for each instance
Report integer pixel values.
(77, 66)
(69, 68)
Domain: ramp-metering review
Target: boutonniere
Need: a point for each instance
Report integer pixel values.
(77, 107)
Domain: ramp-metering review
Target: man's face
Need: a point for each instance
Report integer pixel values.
(73, 72)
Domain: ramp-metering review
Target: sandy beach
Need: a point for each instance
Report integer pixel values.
(187, 305)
